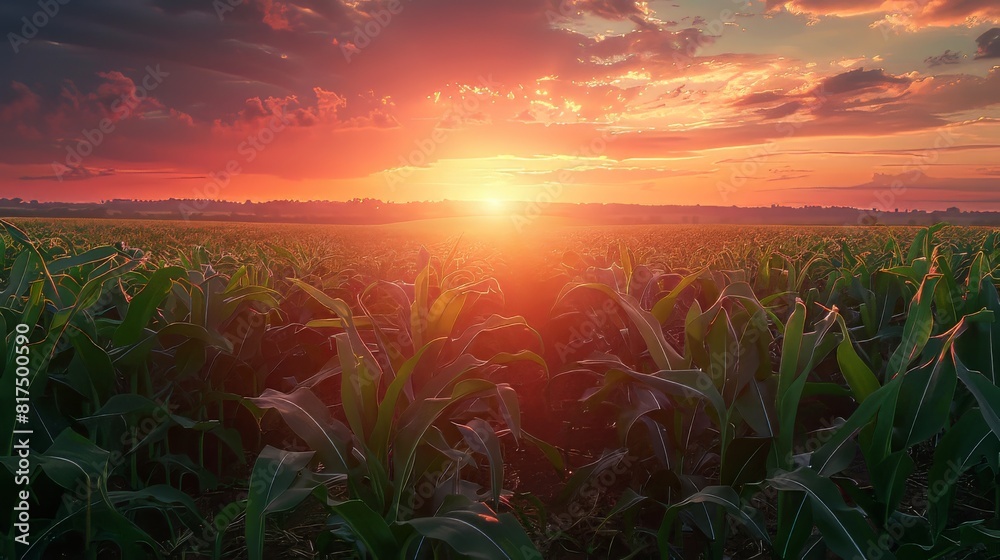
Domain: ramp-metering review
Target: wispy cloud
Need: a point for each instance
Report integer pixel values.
(943, 59)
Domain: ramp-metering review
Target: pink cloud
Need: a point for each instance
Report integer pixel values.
(329, 109)
(609, 9)
(24, 102)
(912, 14)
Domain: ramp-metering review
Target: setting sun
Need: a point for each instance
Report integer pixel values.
(494, 205)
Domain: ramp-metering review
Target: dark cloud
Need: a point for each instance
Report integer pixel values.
(786, 178)
(77, 173)
(610, 9)
(760, 98)
(857, 80)
(781, 111)
(989, 44)
(857, 91)
(661, 44)
(945, 58)
(909, 189)
(902, 152)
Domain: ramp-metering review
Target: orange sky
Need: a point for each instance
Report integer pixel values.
(714, 102)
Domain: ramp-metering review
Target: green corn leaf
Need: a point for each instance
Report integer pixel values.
(756, 405)
(145, 304)
(964, 445)
(98, 254)
(746, 461)
(723, 496)
(986, 393)
(889, 478)
(552, 453)
(418, 419)
(664, 355)
(800, 352)
(308, 417)
(823, 460)
(369, 527)
(858, 375)
(476, 532)
(795, 523)
(844, 529)
(586, 473)
(916, 330)
(387, 408)
(482, 439)
(663, 308)
(271, 491)
(925, 400)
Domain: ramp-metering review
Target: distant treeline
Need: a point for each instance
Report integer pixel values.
(372, 211)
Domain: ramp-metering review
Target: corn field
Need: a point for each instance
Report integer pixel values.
(209, 392)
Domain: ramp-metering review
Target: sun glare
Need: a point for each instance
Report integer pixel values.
(494, 206)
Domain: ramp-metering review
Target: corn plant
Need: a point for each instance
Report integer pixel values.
(412, 420)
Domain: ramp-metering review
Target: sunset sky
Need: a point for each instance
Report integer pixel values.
(715, 102)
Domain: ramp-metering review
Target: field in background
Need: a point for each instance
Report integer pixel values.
(500, 239)
(467, 388)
